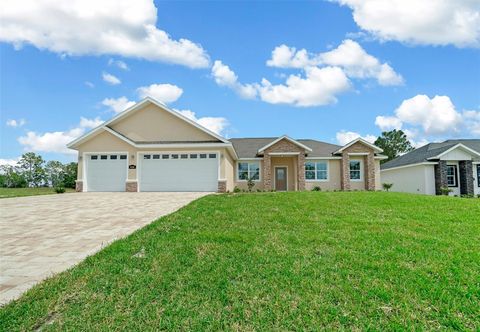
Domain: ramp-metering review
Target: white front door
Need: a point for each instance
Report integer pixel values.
(188, 171)
(106, 172)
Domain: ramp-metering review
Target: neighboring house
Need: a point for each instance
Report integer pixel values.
(454, 164)
(150, 147)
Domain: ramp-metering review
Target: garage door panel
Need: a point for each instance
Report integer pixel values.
(191, 174)
(106, 174)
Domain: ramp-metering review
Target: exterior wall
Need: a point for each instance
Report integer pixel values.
(368, 168)
(465, 173)
(291, 164)
(415, 179)
(152, 124)
(455, 155)
(334, 176)
(229, 168)
(243, 184)
(378, 181)
(440, 176)
(359, 185)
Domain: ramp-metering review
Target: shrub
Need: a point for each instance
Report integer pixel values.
(59, 190)
(236, 189)
(250, 184)
(317, 188)
(445, 191)
(387, 186)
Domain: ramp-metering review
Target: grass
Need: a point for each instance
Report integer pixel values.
(276, 261)
(19, 192)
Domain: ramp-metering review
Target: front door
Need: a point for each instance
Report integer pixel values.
(280, 178)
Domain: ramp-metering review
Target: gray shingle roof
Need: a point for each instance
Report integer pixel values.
(430, 150)
(248, 147)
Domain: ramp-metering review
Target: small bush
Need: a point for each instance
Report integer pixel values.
(59, 190)
(250, 184)
(317, 188)
(387, 186)
(236, 189)
(445, 191)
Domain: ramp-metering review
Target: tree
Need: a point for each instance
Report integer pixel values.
(55, 173)
(70, 175)
(31, 166)
(393, 143)
(11, 177)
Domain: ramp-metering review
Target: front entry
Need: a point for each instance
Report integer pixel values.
(280, 178)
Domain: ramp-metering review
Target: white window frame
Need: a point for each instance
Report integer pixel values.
(455, 172)
(350, 170)
(315, 163)
(249, 162)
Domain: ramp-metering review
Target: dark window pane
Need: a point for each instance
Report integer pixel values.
(123, 156)
(113, 156)
(203, 156)
(156, 156)
(309, 166)
(310, 175)
(174, 156)
(94, 157)
(146, 156)
(193, 156)
(242, 167)
(103, 157)
(321, 175)
(184, 156)
(322, 166)
(243, 175)
(478, 175)
(212, 155)
(165, 156)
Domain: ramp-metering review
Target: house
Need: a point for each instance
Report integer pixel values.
(454, 164)
(150, 147)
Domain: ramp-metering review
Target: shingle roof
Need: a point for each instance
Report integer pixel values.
(430, 150)
(248, 147)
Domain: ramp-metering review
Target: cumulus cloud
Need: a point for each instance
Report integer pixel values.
(284, 56)
(224, 76)
(215, 124)
(110, 79)
(89, 27)
(56, 141)
(118, 105)
(118, 63)
(345, 137)
(15, 123)
(9, 162)
(166, 93)
(386, 123)
(428, 22)
(472, 121)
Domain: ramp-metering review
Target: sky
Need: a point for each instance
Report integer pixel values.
(327, 70)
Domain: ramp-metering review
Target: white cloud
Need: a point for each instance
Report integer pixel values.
(472, 120)
(288, 57)
(15, 123)
(110, 79)
(90, 27)
(319, 87)
(118, 63)
(345, 137)
(386, 123)
(9, 162)
(215, 124)
(166, 93)
(56, 141)
(357, 63)
(118, 105)
(224, 76)
(89, 84)
(430, 22)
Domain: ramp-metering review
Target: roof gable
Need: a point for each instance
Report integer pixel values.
(284, 137)
(361, 141)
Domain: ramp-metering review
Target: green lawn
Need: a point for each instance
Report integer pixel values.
(276, 261)
(19, 192)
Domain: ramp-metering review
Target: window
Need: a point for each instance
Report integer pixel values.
(478, 175)
(174, 156)
(193, 156)
(156, 156)
(165, 156)
(184, 156)
(103, 157)
(203, 155)
(212, 155)
(452, 175)
(248, 170)
(355, 170)
(123, 156)
(316, 170)
(94, 157)
(146, 156)
(113, 156)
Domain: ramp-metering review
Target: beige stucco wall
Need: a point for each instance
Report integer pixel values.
(243, 184)
(150, 124)
(334, 177)
(290, 163)
(378, 179)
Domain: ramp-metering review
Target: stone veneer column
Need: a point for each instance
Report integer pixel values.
(78, 185)
(440, 176)
(370, 172)
(345, 172)
(222, 186)
(466, 177)
(131, 186)
(267, 172)
(301, 171)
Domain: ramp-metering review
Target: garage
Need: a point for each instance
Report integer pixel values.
(106, 172)
(178, 171)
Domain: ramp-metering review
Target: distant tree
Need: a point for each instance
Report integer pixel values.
(12, 177)
(54, 173)
(393, 143)
(31, 167)
(69, 175)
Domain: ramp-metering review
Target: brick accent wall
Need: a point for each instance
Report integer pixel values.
(131, 186)
(345, 172)
(78, 186)
(267, 173)
(370, 171)
(368, 165)
(301, 171)
(222, 186)
(440, 176)
(466, 177)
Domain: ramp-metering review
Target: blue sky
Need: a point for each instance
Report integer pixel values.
(354, 69)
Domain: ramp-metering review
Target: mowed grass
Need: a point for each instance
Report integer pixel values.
(19, 192)
(276, 261)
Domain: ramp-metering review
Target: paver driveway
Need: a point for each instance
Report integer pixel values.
(42, 235)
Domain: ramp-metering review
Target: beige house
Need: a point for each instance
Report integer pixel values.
(150, 147)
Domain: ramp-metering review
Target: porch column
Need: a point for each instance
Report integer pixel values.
(440, 176)
(370, 172)
(267, 172)
(301, 172)
(345, 172)
(466, 177)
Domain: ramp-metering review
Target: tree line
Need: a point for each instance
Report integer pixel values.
(32, 171)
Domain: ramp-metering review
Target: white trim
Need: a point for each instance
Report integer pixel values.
(284, 153)
(288, 139)
(123, 138)
(381, 157)
(182, 145)
(318, 180)
(323, 158)
(361, 171)
(137, 106)
(410, 165)
(459, 145)
(361, 140)
(248, 161)
(358, 153)
(275, 176)
(84, 165)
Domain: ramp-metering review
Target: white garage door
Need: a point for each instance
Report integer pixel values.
(106, 172)
(178, 172)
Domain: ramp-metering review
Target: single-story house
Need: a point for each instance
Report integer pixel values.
(149, 147)
(454, 164)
